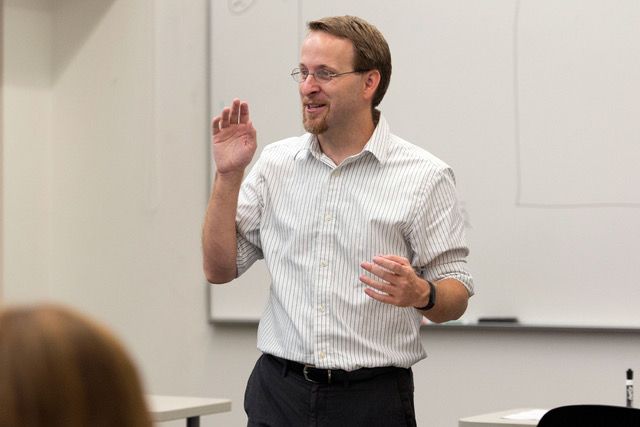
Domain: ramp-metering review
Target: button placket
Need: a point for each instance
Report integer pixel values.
(325, 242)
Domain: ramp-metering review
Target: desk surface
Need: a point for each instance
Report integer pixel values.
(166, 408)
(495, 420)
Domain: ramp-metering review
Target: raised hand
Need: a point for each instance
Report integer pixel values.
(234, 138)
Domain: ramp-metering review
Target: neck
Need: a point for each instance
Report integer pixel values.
(338, 144)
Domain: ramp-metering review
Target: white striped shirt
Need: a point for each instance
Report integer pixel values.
(314, 223)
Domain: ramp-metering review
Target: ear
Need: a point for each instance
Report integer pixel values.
(371, 82)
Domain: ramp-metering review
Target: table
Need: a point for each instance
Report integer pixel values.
(167, 408)
(495, 420)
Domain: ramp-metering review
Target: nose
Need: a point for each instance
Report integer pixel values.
(309, 86)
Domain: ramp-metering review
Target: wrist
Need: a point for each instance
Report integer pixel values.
(230, 176)
(432, 298)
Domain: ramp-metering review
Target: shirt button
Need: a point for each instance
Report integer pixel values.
(336, 173)
(321, 309)
(324, 263)
(322, 355)
(328, 218)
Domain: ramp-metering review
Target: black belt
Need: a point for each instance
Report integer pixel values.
(329, 376)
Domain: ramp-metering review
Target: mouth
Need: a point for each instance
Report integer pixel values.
(314, 107)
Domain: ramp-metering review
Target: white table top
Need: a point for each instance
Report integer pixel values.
(496, 419)
(166, 408)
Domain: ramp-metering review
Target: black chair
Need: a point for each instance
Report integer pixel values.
(591, 416)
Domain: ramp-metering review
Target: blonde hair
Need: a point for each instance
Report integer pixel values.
(60, 368)
(370, 49)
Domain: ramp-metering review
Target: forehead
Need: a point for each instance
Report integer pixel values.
(321, 49)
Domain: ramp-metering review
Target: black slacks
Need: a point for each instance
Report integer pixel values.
(278, 397)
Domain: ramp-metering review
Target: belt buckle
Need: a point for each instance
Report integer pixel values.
(305, 372)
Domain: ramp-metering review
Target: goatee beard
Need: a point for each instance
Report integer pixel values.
(316, 128)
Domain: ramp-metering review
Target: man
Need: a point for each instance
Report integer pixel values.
(360, 230)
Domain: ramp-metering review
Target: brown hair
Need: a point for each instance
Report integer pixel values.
(59, 368)
(371, 51)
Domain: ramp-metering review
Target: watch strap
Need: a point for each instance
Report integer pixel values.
(432, 298)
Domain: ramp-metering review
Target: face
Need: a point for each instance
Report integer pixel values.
(328, 106)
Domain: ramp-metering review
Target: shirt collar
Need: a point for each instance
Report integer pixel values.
(378, 144)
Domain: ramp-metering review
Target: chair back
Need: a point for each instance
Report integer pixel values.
(591, 416)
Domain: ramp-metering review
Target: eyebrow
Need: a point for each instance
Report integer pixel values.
(320, 67)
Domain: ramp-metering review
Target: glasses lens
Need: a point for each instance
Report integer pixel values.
(297, 76)
(323, 76)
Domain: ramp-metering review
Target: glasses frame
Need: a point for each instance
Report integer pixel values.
(296, 74)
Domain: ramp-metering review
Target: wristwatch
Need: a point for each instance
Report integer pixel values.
(432, 298)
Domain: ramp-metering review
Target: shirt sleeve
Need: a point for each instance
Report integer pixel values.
(437, 233)
(248, 219)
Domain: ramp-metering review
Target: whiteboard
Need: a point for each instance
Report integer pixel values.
(534, 104)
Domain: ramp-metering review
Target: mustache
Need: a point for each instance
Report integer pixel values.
(306, 101)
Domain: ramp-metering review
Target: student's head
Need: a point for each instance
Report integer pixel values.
(370, 49)
(60, 368)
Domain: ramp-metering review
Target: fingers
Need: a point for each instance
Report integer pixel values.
(251, 130)
(378, 296)
(388, 265)
(244, 112)
(383, 280)
(376, 284)
(392, 262)
(237, 113)
(379, 272)
(221, 122)
(393, 274)
(215, 125)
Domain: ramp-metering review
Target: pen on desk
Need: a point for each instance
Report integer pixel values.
(629, 388)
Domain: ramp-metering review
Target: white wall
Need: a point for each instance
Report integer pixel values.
(106, 153)
(26, 141)
(1, 145)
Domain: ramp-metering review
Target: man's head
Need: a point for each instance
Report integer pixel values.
(370, 49)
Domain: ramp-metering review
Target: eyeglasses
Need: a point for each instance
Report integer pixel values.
(321, 75)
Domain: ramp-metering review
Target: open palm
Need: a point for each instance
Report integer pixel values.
(234, 138)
